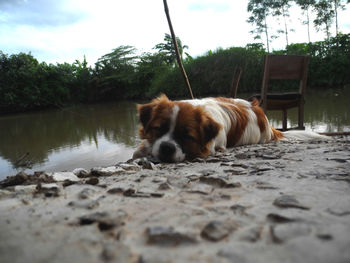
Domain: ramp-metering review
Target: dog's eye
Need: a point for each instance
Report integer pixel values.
(157, 128)
(190, 137)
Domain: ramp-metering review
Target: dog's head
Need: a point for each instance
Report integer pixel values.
(176, 130)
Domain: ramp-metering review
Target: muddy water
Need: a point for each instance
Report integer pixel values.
(104, 134)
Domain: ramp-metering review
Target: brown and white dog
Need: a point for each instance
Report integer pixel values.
(176, 130)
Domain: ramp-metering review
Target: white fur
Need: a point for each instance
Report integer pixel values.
(303, 136)
(251, 135)
(178, 155)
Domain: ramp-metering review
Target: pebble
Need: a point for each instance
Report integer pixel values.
(146, 164)
(288, 201)
(168, 236)
(62, 176)
(18, 179)
(107, 171)
(85, 204)
(92, 181)
(217, 230)
(276, 218)
(81, 172)
(130, 167)
(239, 209)
(218, 182)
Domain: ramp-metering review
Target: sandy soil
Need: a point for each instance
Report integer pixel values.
(277, 202)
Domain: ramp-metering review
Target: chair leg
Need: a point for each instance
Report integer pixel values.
(284, 120)
(301, 116)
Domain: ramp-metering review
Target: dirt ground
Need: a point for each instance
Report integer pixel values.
(276, 202)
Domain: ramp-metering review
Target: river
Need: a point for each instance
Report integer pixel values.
(105, 134)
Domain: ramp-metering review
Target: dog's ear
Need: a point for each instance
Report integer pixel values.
(145, 113)
(210, 129)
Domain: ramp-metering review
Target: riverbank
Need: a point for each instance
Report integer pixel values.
(278, 202)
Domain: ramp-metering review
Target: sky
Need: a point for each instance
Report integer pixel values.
(58, 31)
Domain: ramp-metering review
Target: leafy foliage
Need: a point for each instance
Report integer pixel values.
(26, 84)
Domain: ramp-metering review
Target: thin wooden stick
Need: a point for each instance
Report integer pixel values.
(178, 58)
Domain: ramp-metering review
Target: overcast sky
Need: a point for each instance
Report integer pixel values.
(66, 30)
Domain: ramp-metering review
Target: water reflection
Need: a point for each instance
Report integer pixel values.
(101, 135)
(325, 111)
(84, 136)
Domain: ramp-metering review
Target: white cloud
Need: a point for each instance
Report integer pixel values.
(94, 28)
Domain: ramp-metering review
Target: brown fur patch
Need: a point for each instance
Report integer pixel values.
(261, 118)
(194, 130)
(239, 120)
(277, 135)
(155, 118)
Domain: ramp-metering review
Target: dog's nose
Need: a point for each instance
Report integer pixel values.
(166, 151)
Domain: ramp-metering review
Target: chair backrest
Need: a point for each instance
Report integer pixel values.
(289, 67)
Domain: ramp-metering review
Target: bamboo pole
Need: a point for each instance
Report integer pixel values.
(178, 58)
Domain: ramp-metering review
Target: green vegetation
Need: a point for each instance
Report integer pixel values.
(262, 11)
(26, 84)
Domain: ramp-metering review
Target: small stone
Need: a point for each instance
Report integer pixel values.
(68, 183)
(242, 156)
(238, 209)
(107, 171)
(339, 160)
(213, 159)
(218, 182)
(86, 193)
(85, 204)
(49, 190)
(200, 189)
(129, 192)
(288, 201)
(81, 172)
(116, 190)
(130, 167)
(276, 218)
(270, 156)
(156, 195)
(265, 186)
(92, 181)
(18, 179)
(167, 236)
(236, 171)
(164, 186)
(325, 237)
(338, 211)
(62, 176)
(92, 218)
(146, 164)
(216, 230)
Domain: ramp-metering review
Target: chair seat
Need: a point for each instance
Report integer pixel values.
(278, 101)
(278, 96)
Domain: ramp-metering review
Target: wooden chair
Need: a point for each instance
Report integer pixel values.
(285, 67)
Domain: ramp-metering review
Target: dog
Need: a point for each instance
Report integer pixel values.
(173, 131)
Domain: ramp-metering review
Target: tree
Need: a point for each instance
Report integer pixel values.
(260, 10)
(114, 72)
(281, 8)
(168, 49)
(338, 5)
(324, 16)
(305, 6)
